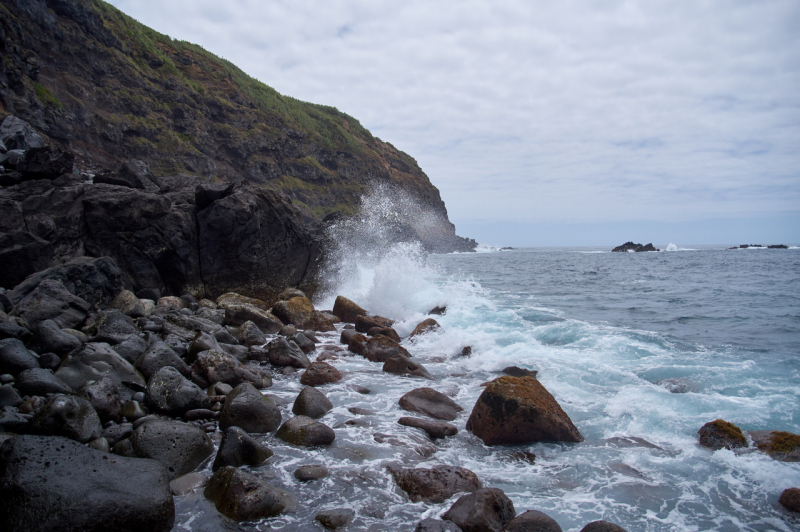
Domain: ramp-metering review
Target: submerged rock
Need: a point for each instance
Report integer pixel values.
(400, 365)
(425, 326)
(720, 434)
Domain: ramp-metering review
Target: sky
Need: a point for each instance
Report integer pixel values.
(549, 123)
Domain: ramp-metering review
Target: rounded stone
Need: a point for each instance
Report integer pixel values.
(247, 408)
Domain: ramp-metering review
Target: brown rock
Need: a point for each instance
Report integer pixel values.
(400, 365)
(425, 326)
(346, 310)
(431, 403)
(435, 485)
(720, 434)
(790, 499)
(485, 510)
(385, 331)
(319, 373)
(783, 446)
(243, 496)
(232, 298)
(532, 520)
(602, 526)
(365, 323)
(520, 410)
(435, 429)
(296, 311)
(377, 348)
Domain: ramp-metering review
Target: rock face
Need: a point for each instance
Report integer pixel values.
(719, 434)
(435, 485)
(520, 410)
(485, 510)
(243, 496)
(50, 483)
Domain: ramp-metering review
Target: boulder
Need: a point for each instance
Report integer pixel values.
(247, 408)
(40, 381)
(232, 298)
(296, 311)
(49, 338)
(346, 310)
(783, 446)
(602, 526)
(435, 485)
(49, 483)
(486, 509)
(11, 329)
(216, 366)
(435, 429)
(17, 134)
(305, 344)
(127, 303)
(68, 416)
(94, 361)
(181, 447)
(312, 403)
(532, 520)
(789, 499)
(306, 432)
(335, 519)
(105, 398)
(46, 162)
(15, 357)
(385, 331)
(289, 293)
(377, 348)
(514, 371)
(400, 365)
(305, 473)
(171, 393)
(202, 342)
(111, 327)
(243, 496)
(284, 353)
(431, 403)
(9, 396)
(425, 326)
(348, 334)
(319, 373)
(238, 448)
(365, 323)
(436, 525)
(131, 348)
(237, 314)
(160, 355)
(520, 410)
(720, 434)
(22, 254)
(249, 334)
(187, 483)
(170, 302)
(50, 300)
(117, 433)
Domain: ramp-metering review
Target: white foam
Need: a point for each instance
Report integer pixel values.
(672, 247)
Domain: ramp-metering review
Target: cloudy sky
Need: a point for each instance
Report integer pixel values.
(549, 123)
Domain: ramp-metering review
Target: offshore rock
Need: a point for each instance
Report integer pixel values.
(486, 509)
(435, 485)
(247, 408)
(520, 410)
(52, 483)
(243, 496)
(630, 246)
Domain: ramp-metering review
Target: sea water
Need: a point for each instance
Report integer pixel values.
(640, 350)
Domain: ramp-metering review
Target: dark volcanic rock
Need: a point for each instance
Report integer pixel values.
(431, 403)
(532, 520)
(179, 446)
(131, 348)
(104, 397)
(400, 365)
(306, 432)
(436, 525)
(243, 496)
(485, 510)
(305, 344)
(22, 254)
(49, 338)
(47, 162)
(51, 301)
(160, 355)
(435, 429)
(435, 485)
(93, 362)
(319, 373)
(312, 403)
(68, 416)
(346, 310)
(216, 366)
(720, 434)
(170, 392)
(51, 483)
(630, 246)
(247, 408)
(602, 526)
(335, 519)
(236, 315)
(111, 327)
(39, 381)
(238, 448)
(15, 357)
(284, 353)
(519, 410)
(310, 472)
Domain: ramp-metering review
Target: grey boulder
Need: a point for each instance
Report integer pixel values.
(247, 408)
(171, 393)
(312, 403)
(179, 446)
(68, 416)
(306, 432)
(239, 448)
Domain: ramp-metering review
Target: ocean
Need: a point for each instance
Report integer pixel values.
(640, 350)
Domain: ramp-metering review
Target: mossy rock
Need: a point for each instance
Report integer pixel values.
(720, 434)
(783, 446)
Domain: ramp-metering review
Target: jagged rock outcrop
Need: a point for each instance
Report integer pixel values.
(630, 246)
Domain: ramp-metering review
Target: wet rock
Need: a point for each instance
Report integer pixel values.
(49, 361)
(296, 311)
(133, 411)
(532, 520)
(249, 334)
(720, 434)
(289, 293)
(514, 371)
(239, 352)
(348, 334)
(49, 338)
(203, 341)
(789, 499)
(32, 405)
(93, 362)
(9, 396)
(68, 416)
(312, 403)
(425, 326)
(306, 432)
(284, 353)
(187, 483)
(216, 366)
(520, 410)
(117, 433)
(365, 323)
(100, 444)
(181, 447)
(128, 304)
(11, 329)
(237, 314)
(435, 429)
(487, 509)
(171, 393)
(111, 327)
(438, 310)
(104, 397)
(431, 403)
(346, 310)
(436, 525)
(51, 301)
(39, 381)
(288, 331)
(783, 446)
(247, 408)
(16, 423)
(435, 485)
(335, 519)
(377, 348)
(15, 357)
(400, 365)
(304, 343)
(310, 472)
(678, 385)
(238, 448)
(131, 348)
(359, 389)
(384, 331)
(319, 373)
(52, 483)
(602, 526)
(22, 254)
(243, 496)
(160, 355)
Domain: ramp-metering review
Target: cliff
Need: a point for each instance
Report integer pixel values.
(110, 90)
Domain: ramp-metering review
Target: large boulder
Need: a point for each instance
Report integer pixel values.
(719, 434)
(365, 323)
(50, 300)
(431, 403)
(93, 362)
(68, 416)
(105, 398)
(306, 432)
(111, 327)
(15, 357)
(533, 520)
(520, 410)
(249, 334)
(346, 310)
(160, 355)
(435, 485)
(179, 446)
(243, 496)
(401, 365)
(247, 408)
(49, 338)
(239, 448)
(171, 393)
(376, 349)
(485, 510)
(296, 311)
(217, 366)
(52, 483)
(17, 134)
(319, 373)
(237, 314)
(312, 403)
(283, 353)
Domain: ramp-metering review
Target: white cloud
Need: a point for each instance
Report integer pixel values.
(567, 111)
